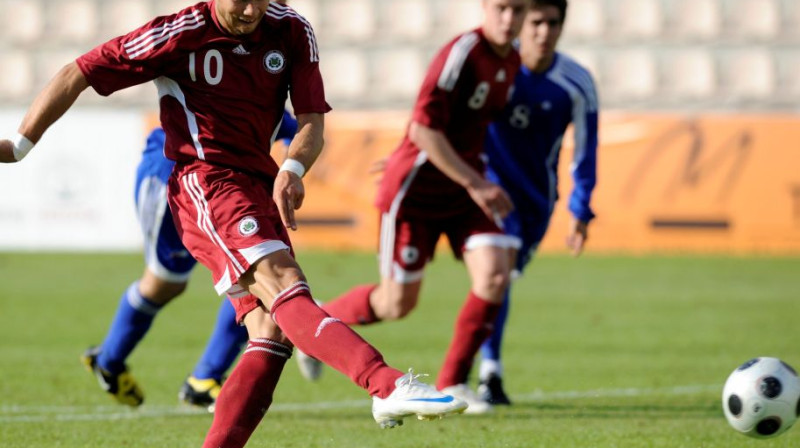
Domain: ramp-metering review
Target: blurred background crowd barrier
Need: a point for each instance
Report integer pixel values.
(699, 137)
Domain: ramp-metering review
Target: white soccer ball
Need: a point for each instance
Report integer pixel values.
(761, 398)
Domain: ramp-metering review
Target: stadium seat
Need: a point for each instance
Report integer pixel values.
(637, 18)
(346, 73)
(695, 19)
(754, 18)
(25, 25)
(406, 19)
(788, 66)
(347, 20)
(690, 74)
(122, 16)
(16, 84)
(163, 7)
(749, 74)
(72, 21)
(585, 20)
(398, 73)
(791, 19)
(631, 74)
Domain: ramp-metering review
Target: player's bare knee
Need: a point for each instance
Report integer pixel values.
(395, 311)
(492, 286)
(395, 304)
(271, 276)
(259, 324)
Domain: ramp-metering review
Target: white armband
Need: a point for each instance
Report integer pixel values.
(22, 146)
(293, 166)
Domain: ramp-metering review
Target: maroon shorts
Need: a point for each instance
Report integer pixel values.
(228, 221)
(407, 244)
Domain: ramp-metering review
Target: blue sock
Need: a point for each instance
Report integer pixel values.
(224, 346)
(130, 324)
(491, 347)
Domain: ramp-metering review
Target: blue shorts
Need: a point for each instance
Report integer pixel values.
(529, 224)
(164, 253)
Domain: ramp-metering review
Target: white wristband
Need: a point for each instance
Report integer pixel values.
(293, 166)
(22, 146)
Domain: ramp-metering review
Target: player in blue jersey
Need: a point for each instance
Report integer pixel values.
(550, 92)
(167, 270)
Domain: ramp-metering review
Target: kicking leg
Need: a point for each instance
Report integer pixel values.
(278, 281)
(364, 305)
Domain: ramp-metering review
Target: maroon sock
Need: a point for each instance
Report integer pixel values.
(247, 394)
(353, 307)
(473, 326)
(329, 340)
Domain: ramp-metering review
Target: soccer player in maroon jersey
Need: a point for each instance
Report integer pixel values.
(224, 70)
(434, 184)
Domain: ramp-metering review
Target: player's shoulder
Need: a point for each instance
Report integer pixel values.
(189, 18)
(461, 46)
(284, 15)
(571, 68)
(183, 24)
(566, 71)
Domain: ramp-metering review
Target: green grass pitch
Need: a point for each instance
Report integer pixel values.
(601, 351)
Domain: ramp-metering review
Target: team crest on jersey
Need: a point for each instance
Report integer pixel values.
(248, 226)
(500, 76)
(409, 254)
(274, 61)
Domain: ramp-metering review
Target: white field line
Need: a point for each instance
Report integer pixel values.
(32, 414)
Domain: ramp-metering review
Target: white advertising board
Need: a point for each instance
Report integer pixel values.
(74, 191)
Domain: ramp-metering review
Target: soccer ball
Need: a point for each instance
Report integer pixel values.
(761, 398)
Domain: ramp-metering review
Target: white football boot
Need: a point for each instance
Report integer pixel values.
(412, 397)
(310, 368)
(477, 405)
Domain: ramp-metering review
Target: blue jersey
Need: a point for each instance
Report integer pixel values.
(523, 146)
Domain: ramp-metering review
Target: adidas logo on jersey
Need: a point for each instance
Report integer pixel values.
(240, 50)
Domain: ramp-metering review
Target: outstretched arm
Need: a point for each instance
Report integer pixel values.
(490, 197)
(289, 192)
(51, 103)
(584, 170)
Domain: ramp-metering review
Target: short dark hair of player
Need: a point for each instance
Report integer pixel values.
(560, 4)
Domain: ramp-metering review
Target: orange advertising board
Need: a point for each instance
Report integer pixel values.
(709, 183)
(666, 183)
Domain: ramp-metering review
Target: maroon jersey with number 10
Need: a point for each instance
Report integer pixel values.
(222, 96)
(466, 87)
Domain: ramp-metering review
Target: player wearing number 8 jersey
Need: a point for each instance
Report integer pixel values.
(467, 84)
(223, 69)
(434, 184)
(551, 92)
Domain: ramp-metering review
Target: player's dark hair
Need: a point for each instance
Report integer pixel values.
(560, 4)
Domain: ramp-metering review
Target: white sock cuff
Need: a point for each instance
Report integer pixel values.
(490, 367)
